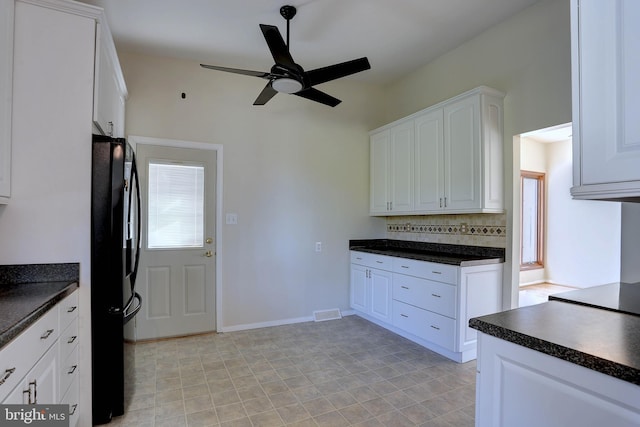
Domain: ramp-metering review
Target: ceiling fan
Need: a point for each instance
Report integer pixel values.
(288, 77)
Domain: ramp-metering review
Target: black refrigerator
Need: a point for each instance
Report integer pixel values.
(115, 244)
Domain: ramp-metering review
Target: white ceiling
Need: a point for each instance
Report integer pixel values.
(398, 36)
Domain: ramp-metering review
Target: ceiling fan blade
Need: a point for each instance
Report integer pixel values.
(318, 96)
(267, 93)
(332, 72)
(237, 71)
(277, 46)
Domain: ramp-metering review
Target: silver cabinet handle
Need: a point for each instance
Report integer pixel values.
(445, 202)
(71, 309)
(380, 262)
(436, 272)
(72, 370)
(440, 201)
(435, 327)
(74, 409)
(7, 374)
(436, 295)
(404, 315)
(35, 392)
(404, 266)
(72, 339)
(404, 287)
(46, 334)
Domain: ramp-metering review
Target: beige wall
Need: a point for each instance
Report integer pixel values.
(528, 58)
(295, 172)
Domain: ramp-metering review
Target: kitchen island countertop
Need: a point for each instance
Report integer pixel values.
(598, 339)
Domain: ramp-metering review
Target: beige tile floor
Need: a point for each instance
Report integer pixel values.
(346, 372)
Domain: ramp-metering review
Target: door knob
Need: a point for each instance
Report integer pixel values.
(208, 254)
(209, 240)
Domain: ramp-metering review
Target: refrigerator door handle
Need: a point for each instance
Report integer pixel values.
(127, 316)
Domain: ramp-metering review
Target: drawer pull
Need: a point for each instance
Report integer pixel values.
(404, 287)
(72, 370)
(404, 315)
(33, 383)
(72, 309)
(380, 262)
(74, 409)
(435, 327)
(46, 334)
(404, 266)
(436, 296)
(7, 374)
(72, 339)
(437, 272)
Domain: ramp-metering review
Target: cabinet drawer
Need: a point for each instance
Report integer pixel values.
(68, 340)
(68, 308)
(426, 270)
(381, 262)
(19, 356)
(424, 324)
(426, 294)
(68, 371)
(72, 398)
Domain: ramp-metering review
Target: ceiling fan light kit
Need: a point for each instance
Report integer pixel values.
(288, 77)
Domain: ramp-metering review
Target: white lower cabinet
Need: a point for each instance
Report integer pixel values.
(426, 302)
(518, 386)
(371, 285)
(40, 366)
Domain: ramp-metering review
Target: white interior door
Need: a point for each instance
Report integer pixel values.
(176, 277)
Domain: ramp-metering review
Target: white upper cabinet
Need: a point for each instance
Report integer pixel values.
(605, 41)
(110, 91)
(6, 88)
(392, 170)
(444, 159)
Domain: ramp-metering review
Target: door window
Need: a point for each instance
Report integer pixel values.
(175, 205)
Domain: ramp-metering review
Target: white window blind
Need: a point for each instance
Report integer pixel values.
(176, 206)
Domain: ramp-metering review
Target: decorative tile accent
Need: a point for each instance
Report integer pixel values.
(474, 229)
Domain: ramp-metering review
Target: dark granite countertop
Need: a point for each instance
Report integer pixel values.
(29, 291)
(601, 340)
(619, 297)
(432, 252)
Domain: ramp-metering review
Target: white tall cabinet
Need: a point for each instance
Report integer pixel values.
(444, 159)
(54, 51)
(605, 41)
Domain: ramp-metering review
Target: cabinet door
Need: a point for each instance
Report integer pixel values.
(379, 173)
(606, 78)
(428, 162)
(401, 152)
(359, 300)
(6, 87)
(108, 104)
(462, 155)
(40, 386)
(380, 306)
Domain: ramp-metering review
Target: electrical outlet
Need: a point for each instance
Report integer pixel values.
(318, 246)
(464, 228)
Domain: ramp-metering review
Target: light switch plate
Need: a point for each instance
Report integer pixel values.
(232, 218)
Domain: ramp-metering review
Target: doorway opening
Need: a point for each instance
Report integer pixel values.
(563, 243)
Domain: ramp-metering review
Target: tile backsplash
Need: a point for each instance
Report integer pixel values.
(469, 229)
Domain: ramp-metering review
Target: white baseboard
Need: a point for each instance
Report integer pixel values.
(247, 326)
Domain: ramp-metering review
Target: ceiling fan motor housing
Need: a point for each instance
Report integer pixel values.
(288, 12)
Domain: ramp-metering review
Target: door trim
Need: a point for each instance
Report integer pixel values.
(174, 143)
